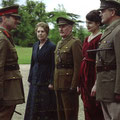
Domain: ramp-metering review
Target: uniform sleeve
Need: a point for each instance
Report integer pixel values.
(3, 54)
(117, 54)
(77, 58)
(52, 65)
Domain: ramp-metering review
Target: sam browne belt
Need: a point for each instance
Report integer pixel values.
(106, 68)
(11, 67)
(67, 66)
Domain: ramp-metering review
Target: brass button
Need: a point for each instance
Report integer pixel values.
(66, 47)
(13, 77)
(104, 42)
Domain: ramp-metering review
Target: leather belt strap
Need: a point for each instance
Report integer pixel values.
(106, 68)
(11, 67)
(59, 66)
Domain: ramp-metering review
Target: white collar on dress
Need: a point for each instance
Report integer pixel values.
(91, 37)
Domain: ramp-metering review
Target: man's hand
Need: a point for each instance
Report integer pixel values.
(78, 90)
(93, 91)
(72, 90)
(50, 86)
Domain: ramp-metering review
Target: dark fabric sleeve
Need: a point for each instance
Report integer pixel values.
(52, 65)
(31, 66)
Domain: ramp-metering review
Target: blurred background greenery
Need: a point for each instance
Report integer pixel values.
(24, 54)
(35, 11)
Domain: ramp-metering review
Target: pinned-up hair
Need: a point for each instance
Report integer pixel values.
(94, 16)
(43, 25)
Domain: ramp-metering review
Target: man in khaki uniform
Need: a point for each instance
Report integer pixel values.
(11, 87)
(107, 85)
(67, 64)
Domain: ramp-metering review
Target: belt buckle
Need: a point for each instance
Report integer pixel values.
(106, 68)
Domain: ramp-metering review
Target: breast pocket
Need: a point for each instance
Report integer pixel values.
(107, 51)
(65, 79)
(66, 55)
(107, 84)
(108, 76)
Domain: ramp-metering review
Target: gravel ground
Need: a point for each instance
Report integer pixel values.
(21, 108)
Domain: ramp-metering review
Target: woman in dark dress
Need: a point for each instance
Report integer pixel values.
(92, 109)
(41, 102)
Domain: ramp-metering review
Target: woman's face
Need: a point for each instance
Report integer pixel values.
(41, 34)
(92, 26)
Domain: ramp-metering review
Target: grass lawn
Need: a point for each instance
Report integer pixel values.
(24, 54)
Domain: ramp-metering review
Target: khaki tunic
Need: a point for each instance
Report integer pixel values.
(67, 53)
(108, 81)
(11, 87)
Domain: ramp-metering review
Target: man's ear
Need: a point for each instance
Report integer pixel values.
(113, 13)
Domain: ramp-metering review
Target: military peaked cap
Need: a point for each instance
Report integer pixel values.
(109, 4)
(63, 21)
(10, 10)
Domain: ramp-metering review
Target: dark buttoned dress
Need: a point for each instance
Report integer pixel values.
(41, 103)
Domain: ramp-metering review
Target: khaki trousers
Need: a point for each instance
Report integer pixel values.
(111, 111)
(6, 112)
(67, 105)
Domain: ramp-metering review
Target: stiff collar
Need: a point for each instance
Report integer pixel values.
(113, 23)
(67, 38)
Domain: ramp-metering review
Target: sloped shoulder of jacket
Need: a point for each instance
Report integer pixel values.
(2, 36)
(76, 39)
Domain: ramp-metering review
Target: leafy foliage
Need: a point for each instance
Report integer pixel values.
(34, 12)
(8, 2)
